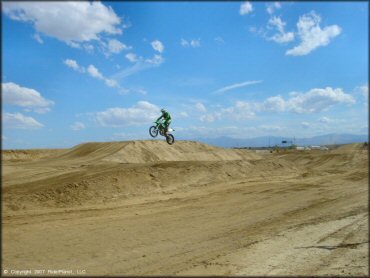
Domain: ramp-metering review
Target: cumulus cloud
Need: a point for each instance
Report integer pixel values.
(92, 71)
(184, 114)
(190, 43)
(311, 34)
(313, 101)
(237, 85)
(242, 110)
(158, 46)
(363, 90)
(200, 107)
(115, 46)
(274, 104)
(111, 83)
(38, 38)
(15, 94)
(78, 126)
(219, 40)
(246, 8)
(317, 100)
(305, 124)
(271, 8)
(281, 36)
(132, 57)
(142, 112)
(207, 118)
(19, 121)
(74, 65)
(156, 60)
(70, 22)
(324, 120)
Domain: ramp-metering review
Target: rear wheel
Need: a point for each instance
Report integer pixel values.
(170, 139)
(153, 131)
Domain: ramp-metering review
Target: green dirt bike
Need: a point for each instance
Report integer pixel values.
(159, 128)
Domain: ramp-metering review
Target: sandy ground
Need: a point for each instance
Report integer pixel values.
(147, 208)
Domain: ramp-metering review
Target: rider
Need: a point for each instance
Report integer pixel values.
(167, 119)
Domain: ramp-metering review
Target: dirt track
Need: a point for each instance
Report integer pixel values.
(146, 208)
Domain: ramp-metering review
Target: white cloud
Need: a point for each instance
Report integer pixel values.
(88, 47)
(237, 85)
(246, 8)
(242, 110)
(158, 46)
(305, 124)
(324, 120)
(70, 22)
(125, 91)
(184, 114)
(20, 121)
(78, 126)
(74, 65)
(142, 112)
(314, 101)
(317, 100)
(94, 72)
(219, 40)
(115, 46)
(311, 34)
(200, 107)
(190, 43)
(156, 60)
(15, 94)
(281, 36)
(38, 38)
(184, 43)
(195, 43)
(270, 8)
(274, 104)
(207, 118)
(132, 57)
(363, 90)
(111, 83)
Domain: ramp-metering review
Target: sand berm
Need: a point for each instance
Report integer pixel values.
(148, 208)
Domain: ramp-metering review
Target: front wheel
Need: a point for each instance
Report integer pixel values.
(170, 139)
(153, 131)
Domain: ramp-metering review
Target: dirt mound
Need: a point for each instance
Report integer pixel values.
(353, 147)
(147, 208)
(155, 151)
(27, 155)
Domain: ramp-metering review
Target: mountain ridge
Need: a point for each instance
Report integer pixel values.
(266, 141)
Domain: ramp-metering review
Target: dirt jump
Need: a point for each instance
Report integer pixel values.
(149, 208)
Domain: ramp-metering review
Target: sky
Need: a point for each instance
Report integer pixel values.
(75, 72)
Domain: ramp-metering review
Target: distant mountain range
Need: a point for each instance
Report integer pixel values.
(265, 141)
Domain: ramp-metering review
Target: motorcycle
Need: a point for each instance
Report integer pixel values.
(159, 128)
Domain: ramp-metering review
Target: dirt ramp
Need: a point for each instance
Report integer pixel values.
(147, 151)
(29, 155)
(94, 150)
(353, 147)
(155, 151)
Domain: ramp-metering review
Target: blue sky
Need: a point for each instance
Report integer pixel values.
(100, 71)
